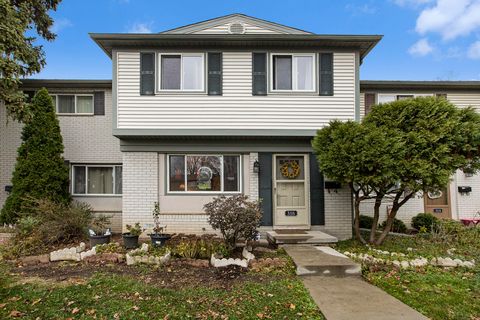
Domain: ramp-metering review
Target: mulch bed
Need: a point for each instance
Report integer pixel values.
(175, 275)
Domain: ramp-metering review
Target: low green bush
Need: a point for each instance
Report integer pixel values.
(397, 226)
(366, 221)
(424, 220)
(194, 247)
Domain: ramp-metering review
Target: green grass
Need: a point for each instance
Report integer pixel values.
(436, 292)
(110, 296)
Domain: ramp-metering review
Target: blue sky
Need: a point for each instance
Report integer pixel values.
(423, 39)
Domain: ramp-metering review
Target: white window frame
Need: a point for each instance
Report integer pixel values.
(185, 155)
(86, 194)
(294, 71)
(55, 95)
(181, 54)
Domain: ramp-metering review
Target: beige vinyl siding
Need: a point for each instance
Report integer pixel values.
(237, 108)
(249, 29)
(465, 99)
(362, 105)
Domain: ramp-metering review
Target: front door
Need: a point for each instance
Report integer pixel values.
(438, 203)
(291, 205)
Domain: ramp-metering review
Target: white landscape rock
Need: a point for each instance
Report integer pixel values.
(404, 264)
(67, 254)
(154, 260)
(446, 262)
(88, 253)
(218, 263)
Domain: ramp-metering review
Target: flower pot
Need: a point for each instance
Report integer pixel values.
(158, 239)
(130, 241)
(100, 239)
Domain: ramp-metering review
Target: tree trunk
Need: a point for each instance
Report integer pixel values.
(391, 216)
(376, 217)
(357, 219)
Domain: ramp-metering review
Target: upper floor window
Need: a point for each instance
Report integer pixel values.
(182, 72)
(73, 103)
(293, 72)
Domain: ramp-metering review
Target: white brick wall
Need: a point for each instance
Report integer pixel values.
(140, 186)
(254, 186)
(338, 213)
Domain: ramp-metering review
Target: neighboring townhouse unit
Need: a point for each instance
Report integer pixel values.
(459, 200)
(225, 106)
(84, 109)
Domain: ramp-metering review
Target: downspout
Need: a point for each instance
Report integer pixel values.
(353, 214)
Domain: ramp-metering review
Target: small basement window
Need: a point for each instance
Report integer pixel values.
(73, 103)
(204, 173)
(96, 180)
(293, 72)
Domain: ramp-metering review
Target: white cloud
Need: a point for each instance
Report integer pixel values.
(361, 9)
(140, 28)
(420, 48)
(474, 50)
(60, 24)
(411, 3)
(450, 18)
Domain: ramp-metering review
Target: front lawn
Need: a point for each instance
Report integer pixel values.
(438, 293)
(175, 291)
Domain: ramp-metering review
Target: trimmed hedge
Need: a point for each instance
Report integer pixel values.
(366, 221)
(397, 226)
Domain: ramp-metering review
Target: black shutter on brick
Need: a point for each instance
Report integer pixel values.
(317, 196)
(99, 103)
(215, 73)
(369, 102)
(30, 94)
(147, 73)
(259, 79)
(265, 187)
(326, 74)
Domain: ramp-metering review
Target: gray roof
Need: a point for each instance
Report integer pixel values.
(109, 41)
(420, 85)
(66, 83)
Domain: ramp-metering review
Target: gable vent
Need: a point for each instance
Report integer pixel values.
(236, 28)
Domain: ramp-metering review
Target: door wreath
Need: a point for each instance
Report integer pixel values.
(290, 169)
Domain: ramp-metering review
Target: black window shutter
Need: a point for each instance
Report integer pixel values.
(99, 103)
(326, 74)
(30, 94)
(215, 73)
(147, 73)
(265, 187)
(317, 196)
(369, 102)
(259, 79)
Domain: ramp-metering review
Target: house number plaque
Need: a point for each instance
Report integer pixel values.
(291, 213)
(437, 210)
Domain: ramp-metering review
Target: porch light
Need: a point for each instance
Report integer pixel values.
(256, 166)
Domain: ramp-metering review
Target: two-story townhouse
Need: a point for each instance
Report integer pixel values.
(459, 200)
(229, 106)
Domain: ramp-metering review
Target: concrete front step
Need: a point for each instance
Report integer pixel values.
(300, 237)
(322, 261)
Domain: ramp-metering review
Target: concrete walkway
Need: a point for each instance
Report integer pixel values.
(340, 293)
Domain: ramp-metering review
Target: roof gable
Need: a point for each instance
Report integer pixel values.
(221, 25)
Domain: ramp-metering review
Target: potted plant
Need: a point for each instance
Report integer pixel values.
(158, 237)
(99, 232)
(130, 238)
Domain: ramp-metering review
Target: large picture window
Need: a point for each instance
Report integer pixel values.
(97, 180)
(293, 72)
(204, 173)
(71, 103)
(182, 72)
